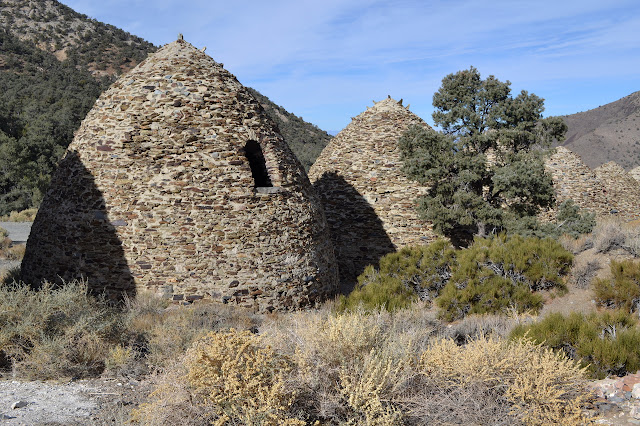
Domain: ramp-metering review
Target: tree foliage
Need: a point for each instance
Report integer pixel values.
(485, 168)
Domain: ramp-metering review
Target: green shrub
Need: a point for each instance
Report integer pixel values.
(374, 291)
(411, 273)
(572, 221)
(502, 273)
(622, 290)
(608, 343)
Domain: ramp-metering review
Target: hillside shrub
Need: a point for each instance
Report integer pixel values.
(606, 343)
(622, 290)
(420, 271)
(504, 273)
(55, 332)
(583, 272)
(27, 215)
(608, 235)
(541, 387)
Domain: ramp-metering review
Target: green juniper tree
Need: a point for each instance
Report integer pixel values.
(470, 195)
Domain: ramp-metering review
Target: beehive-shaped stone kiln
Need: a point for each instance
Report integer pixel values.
(606, 191)
(369, 203)
(622, 189)
(176, 182)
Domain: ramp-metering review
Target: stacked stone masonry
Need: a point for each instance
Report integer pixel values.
(608, 192)
(621, 188)
(369, 203)
(635, 173)
(156, 193)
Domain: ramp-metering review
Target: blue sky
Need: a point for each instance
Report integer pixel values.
(327, 60)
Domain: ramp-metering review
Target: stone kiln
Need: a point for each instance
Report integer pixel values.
(369, 203)
(176, 182)
(606, 191)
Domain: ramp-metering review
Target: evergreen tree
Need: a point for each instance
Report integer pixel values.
(470, 195)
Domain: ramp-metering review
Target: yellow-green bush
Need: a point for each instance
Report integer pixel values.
(235, 378)
(622, 290)
(607, 343)
(542, 387)
(502, 273)
(403, 277)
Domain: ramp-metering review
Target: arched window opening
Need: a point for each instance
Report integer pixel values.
(258, 166)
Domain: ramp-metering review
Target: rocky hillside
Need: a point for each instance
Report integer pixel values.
(54, 63)
(607, 133)
(102, 49)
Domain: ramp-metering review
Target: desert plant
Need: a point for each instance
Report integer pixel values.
(622, 290)
(239, 380)
(27, 215)
(502, 273)
(413, 272)
(608, 235)
(541, 387)
(606, 343)
(583, 271)
(55, 332)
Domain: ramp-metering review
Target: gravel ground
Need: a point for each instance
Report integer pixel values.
(81, 402)
(18, 231)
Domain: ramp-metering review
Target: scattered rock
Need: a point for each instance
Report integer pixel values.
(19, 404)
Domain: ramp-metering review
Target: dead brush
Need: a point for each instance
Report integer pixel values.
(583, 272)
(55, 332)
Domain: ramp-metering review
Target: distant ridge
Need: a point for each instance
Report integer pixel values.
(607, 133)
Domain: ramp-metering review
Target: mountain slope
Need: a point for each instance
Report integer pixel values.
(305, 139)
(607, 133)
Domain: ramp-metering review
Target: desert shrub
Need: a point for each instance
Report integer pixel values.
(540, 386)
(353, 368)
(606, 343)
(622, 290)
(583, 271)
(576, 245)
(608, 235)
(55, 332)
(503, 273)
(572, 221)
(3, 233)
(237, 379)
(473, 327)
(375, 290)
(159, 333)
(27, 215)
(419, 271)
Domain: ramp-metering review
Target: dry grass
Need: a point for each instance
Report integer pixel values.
(27, 215)
(55, 332)
(371, 369)
(584, 271)
(541, 386)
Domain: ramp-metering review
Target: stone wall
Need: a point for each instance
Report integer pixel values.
(606, 192)
(156, 193)
(622, 189)
(369, 203)
(635, 173)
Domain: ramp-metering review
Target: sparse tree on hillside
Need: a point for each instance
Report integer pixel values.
(469, 194)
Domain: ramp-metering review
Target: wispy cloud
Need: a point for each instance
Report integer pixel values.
(327, 60)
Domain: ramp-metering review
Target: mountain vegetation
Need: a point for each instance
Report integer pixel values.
(305, 139)
(54, 63)
(608, 133)
(485, 168)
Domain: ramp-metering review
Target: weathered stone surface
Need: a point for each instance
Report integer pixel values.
(369, 203)
(157, 192)
(606, 191)
(635, 173)
(622, 189)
